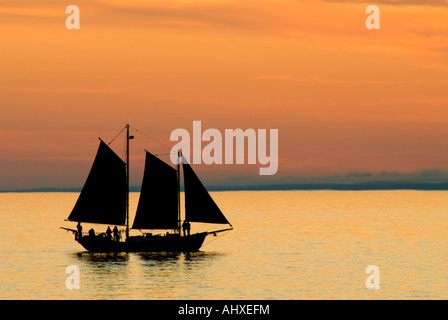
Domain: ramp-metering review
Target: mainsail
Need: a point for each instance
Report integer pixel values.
(103, 197)
(199, 205)
(158, 206)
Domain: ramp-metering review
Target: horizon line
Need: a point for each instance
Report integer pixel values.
(358, 186)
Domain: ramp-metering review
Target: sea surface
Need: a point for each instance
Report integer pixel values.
(285, 245)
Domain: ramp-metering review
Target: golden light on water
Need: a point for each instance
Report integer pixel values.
(285, 245)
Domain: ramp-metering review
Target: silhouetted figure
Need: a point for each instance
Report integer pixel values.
(91, 233)
(109, 233)
(186, 228)
(79, 234)
(116, 236)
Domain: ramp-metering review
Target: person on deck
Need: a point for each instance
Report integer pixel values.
(116, 237)
(91, 233)
(186, 228)
(79, 234)
(109, 233)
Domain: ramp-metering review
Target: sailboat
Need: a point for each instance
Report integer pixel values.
(104, 199)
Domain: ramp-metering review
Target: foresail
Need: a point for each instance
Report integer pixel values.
(158, 204)
(199, 205)
(103, 197)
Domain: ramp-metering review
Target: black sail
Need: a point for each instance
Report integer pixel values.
(158, 204)
(103, 197)
(199, 205)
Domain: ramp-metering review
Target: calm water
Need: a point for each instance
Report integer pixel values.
(286, 245)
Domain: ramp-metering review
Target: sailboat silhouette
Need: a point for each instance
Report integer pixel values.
(104, 199)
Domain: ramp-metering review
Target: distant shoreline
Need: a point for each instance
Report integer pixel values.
(366, 186)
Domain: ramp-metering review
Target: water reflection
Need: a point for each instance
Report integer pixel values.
(178, 256)
(98, 258)
(160, 262)
(118, 262)
(103, 264)
(159, 256)
(202, 256)
(147, 257)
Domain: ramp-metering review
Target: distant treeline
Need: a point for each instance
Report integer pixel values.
(376, 185)
(336, 186)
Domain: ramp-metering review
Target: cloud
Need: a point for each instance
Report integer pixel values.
(434, 3)
(358, 175)
(319, 79)
(63, 90)
(422, 176)
(195, 15)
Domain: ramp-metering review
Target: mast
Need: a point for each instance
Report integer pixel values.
(178, 191)
(127, 179)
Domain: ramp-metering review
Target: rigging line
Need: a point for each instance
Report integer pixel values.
(116, 136)
(148, 136)
(215, 238)
(123, 153)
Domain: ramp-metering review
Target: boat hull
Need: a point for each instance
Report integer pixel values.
(169, 243)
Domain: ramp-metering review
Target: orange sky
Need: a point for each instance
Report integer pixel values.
(344, 98)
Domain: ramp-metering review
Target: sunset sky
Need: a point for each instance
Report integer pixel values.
(344, 99)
